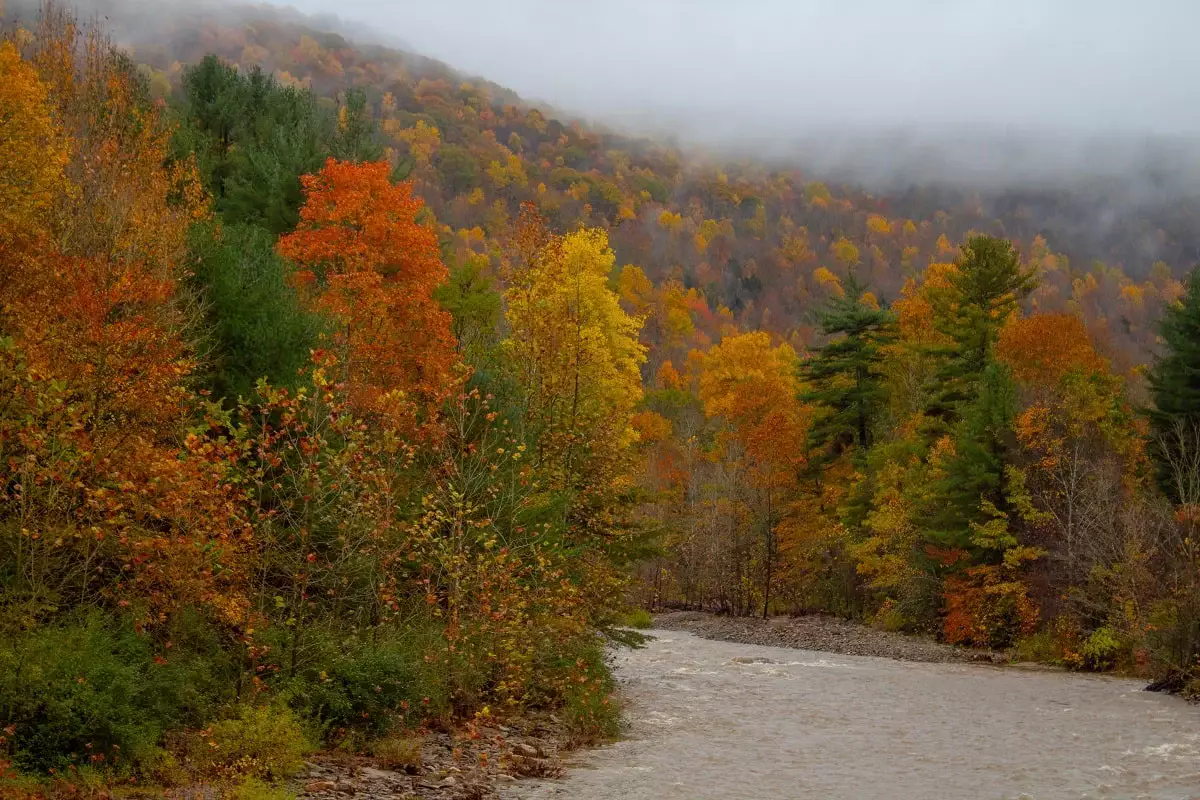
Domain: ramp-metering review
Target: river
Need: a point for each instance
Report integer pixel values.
(717, 720)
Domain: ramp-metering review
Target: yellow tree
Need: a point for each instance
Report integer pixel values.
(752, 387)
(33, 151)
(577, 353)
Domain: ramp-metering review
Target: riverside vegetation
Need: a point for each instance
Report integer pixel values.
(332, 406)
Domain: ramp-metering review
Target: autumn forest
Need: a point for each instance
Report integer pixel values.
(342, 394)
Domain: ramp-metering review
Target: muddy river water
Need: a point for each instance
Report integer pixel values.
(718, 720)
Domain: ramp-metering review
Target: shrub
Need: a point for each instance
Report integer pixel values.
(398, 751)
(1174, 640)
(1100, 650)
(357, 684)
(1042, 647)
(260, 742)
(255, 789)
(92, 692)
(890, 617)
(589, 708)
(640, 619)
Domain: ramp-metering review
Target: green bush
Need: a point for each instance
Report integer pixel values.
(1101, 650)
(255, 789)
(1174, 638)
(1041, 647)
(92, 693)
(589, 707)
(640, 619)
(397, 751)
(890, 618)
(355, 683)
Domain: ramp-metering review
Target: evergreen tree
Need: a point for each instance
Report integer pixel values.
(1175, 388)
(257, 326)
(971, 489)
(973, 402)
(357, 136)
(845, 375)
(983, 293)
(254, 138)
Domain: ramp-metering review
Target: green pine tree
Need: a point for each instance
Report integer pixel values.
(972, 489)
(973, 400)
(983, 293)
(845, 376)
(254, 139)
(357, 137)
(1175, 389)
(257, 325)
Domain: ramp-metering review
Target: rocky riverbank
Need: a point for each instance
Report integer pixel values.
(466, 764)
(822, 633)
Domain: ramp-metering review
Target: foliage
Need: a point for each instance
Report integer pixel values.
(253, 139)
(1176, 393)
(258, 327)
(422, 488)
(32, 148)
(95, 693)
(258, 742)
(367, 265)
(639, 619)
(845, 373)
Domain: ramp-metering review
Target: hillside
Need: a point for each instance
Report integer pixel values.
(754, 239)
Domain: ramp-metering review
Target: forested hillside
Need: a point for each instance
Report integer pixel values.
(339, 385)
(761, 243)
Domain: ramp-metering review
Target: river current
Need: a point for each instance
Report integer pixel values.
(723, 721)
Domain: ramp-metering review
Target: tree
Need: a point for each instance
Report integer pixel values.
(472, 300)
(981, 293)
(457, 167)
(107, 503)
(370, 267)
(357, 135)
(970, 479)
(752, 387)
(845, 374)
(1174, 381)
(577, 356)
(33, 150)
(254, 139)
(256, 324)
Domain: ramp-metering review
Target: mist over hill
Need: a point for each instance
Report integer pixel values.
(979, 94)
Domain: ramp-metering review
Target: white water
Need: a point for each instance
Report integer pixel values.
(830, 727)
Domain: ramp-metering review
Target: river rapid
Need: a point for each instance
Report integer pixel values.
(711, 719)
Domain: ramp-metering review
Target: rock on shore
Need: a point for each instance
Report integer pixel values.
(821, 633)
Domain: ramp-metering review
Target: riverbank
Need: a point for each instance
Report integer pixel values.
(822, 633)
(470, 763)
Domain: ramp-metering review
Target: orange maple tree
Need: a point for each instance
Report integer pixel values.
(367, 263)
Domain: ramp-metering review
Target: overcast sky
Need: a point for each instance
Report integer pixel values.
(1077, 66)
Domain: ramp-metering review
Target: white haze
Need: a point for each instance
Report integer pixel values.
(890, 93)
(1083, 66)
(964, 90)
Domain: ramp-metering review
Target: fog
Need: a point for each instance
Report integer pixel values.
(972, 92)
(1085, 66)
(974, 89)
